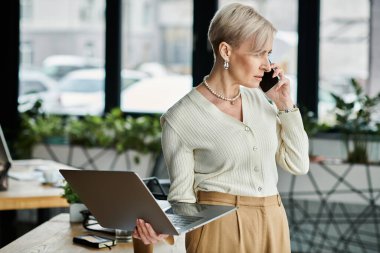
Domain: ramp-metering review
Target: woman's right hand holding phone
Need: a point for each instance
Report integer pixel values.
(145, 232)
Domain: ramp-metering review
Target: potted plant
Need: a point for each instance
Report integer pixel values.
(110, 142)
(39, 127)
(134, 139)
(353, 119)
(75, 204)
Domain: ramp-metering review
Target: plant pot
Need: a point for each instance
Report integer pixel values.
(56, 140)
(75, 209)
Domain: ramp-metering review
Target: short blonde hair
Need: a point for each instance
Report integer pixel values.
(235, 23)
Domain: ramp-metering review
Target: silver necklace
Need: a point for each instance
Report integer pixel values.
(220, 96)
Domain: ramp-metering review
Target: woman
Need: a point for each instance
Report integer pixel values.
(222, 141)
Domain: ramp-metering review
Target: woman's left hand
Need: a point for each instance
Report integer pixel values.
(280, 93)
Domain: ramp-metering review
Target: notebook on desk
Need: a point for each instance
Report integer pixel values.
(118, 198)
(26, 169)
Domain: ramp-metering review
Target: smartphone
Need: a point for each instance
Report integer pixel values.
(268, 81)
(94, 241)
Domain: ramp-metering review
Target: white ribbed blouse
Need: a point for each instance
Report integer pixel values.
(206, 149)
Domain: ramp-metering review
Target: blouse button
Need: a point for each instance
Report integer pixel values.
(247, 129)
(259, 189)
(255, 148)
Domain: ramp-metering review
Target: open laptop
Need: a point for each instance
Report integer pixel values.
(23, 169)
(5, 157)
(118, 198)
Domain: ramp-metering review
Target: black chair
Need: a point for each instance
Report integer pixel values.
(156, 188)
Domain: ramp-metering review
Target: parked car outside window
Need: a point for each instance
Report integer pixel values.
(57, 66)
(82, 91)
(35, 85)
(155, 94)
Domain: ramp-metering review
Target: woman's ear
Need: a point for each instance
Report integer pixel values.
(225, 51)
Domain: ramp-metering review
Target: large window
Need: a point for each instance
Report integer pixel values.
(284, 16)
(156, 57)
(344, 50)
(62, 41)
(62, 52)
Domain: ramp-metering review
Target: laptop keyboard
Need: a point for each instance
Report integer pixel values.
(180, 221)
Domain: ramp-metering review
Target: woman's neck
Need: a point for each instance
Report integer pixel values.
(222, 82)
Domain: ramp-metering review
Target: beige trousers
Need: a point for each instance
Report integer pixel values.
(258, 226)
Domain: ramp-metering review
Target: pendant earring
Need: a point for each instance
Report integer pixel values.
(226, 65)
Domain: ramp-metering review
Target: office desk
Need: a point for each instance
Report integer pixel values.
(30, 195)
(27, 195)
(56, 236)
(22, 194)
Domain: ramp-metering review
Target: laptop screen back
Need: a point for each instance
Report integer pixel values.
(5, 157)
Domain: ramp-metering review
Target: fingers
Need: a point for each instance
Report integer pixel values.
(145, 232)
(163, 236)
(283, 85)
(135, 234)
(284, 82)
(152, 234)
(278, 71)
(141, 229)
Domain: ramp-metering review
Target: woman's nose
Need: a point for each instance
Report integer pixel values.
(266, 66)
